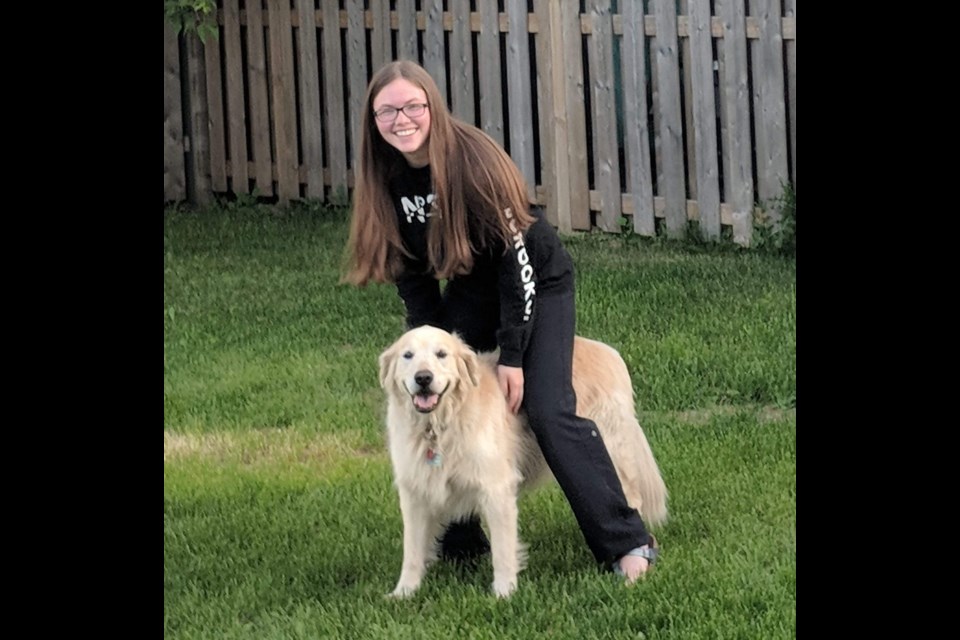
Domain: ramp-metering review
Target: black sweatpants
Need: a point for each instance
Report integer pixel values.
(572, 446)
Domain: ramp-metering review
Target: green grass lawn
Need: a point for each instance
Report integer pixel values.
(280, 519)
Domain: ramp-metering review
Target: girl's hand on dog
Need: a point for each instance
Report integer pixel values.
(511, 383)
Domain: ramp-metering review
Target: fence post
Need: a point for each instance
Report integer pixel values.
(576, 186)
(667, 63)
(738, 176)
(196, 131)
(769, 104)
(174, 178)
(606, 165)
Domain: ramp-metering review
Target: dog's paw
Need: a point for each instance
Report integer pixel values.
(402, 591)
(503, 588)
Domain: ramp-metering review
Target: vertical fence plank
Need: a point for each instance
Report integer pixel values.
(356, 73)
(214, 81)
(671, 134)
(552, 127)
(704, 119)
(236, 104)
(736, 114)
(174, 177)
(791, 11)
(606, 161)
(434, 59)
(491, 96)
(336, 124)
(259, 101)
(519, 99)
(725, 210)
(461, 61)
(635, 117)
(198, 169)
(769, 104)
(407, 30)
(311, 132)
(575, 108)
(690, 150)
(283, 96)
(381, 48)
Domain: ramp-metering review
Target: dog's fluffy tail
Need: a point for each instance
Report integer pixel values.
(611, 406)
(648, 482)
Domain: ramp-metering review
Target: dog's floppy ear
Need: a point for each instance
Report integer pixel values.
(468, 366)
(388, 362)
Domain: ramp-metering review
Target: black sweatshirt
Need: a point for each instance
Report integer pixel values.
(494, 304)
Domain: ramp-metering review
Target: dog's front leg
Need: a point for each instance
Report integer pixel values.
(501, 516)
(419, 531)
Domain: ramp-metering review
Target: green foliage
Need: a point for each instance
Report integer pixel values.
(778, 236)
(193, 16)
(243, 202)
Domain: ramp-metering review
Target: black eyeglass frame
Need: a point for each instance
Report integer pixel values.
(421, 108)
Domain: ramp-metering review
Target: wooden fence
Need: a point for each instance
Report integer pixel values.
(643, 113)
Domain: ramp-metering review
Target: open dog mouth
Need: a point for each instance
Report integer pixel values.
(426, 400)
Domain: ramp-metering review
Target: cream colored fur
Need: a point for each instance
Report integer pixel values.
(487, 455)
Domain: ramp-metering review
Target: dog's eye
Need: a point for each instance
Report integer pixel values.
(441, 354)
(407, 355)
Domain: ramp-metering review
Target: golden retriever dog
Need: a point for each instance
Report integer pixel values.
(457, 450)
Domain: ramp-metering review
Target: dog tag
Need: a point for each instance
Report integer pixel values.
(434, 458)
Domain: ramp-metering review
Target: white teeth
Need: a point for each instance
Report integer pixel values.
(405, 133)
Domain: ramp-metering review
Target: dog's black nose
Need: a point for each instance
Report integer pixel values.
(423, 378)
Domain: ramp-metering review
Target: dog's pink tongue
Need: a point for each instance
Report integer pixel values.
(425, 403)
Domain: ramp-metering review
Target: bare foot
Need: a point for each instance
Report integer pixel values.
(634, 567)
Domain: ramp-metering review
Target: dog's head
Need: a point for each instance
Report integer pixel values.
(426, 363)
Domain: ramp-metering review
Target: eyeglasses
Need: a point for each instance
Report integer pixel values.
(389, 114)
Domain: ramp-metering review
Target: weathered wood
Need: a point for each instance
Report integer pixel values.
(635, 117)
(232, 139)
(519, 99)
(690, 149)
(215, 117)
(236, 102)
(259, 101)
(356, 74)
(174, 177)
(769, 105)
(575, 108)
(489, 69)
(606, 163)
(407, 30)
(199, 189)
(381, 49)
(311, 131)
(704, 120)
(334, 107)
(552, 129)
(283, 101)
(434, 58)
(659, 204)
(790, 8)
(735, 107)
(671, 134)
(461, 61)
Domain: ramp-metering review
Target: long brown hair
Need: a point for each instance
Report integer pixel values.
(474, 183)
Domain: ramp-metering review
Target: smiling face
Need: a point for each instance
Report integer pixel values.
(426, 363)
(407, 135)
